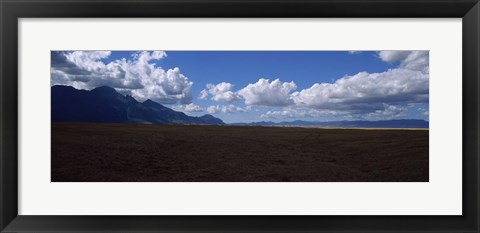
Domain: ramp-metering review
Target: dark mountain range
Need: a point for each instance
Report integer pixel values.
(105, 104)
(404, 123)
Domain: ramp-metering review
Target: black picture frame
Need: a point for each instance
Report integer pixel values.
(12, 10)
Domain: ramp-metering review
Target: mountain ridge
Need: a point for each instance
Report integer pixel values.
(105, 105)
(395, 123)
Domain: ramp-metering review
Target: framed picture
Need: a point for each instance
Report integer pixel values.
(228, 116)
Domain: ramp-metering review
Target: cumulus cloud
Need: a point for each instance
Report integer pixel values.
(219, 92)
(139, 76)
(163, 86)
(191, 107)
(411, 60)
(203, 94)
(282, 114)
(86, 70)
(266, 93)
(366, 91)
(388, 112)
(393, 56)
(424, 112)
(89, 60)
(295, 112)
(416, 60)
(365, 95)
(225, 109)
(373, 93)
(384, 112)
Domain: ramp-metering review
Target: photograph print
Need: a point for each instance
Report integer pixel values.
(239, 116)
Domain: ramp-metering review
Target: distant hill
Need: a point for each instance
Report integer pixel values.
(105, 104)
(404, 123)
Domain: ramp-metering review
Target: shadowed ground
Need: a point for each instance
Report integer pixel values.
(123, 152)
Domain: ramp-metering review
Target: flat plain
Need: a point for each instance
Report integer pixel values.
(91, 152)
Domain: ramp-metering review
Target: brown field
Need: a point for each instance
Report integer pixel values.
(83, 152)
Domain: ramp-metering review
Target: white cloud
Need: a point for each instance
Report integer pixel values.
(363, 95)
(373, 95)
(286, 113)
(89, 60)
(354, 52)
(424, 112)
(85, 70)
(225, 109)
(277, 114)
(266, 93)
(139, 77)
(416, 60)
(367, 95)
(212, 109)
(411, 60)
(393, 56)
(191, 107)
(203, 94)
(367, 92)
(388, 112)
(378, 94)
(296, 112)
(165, 87)
(219, 92)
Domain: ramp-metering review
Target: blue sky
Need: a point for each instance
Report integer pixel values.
(246, 86)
